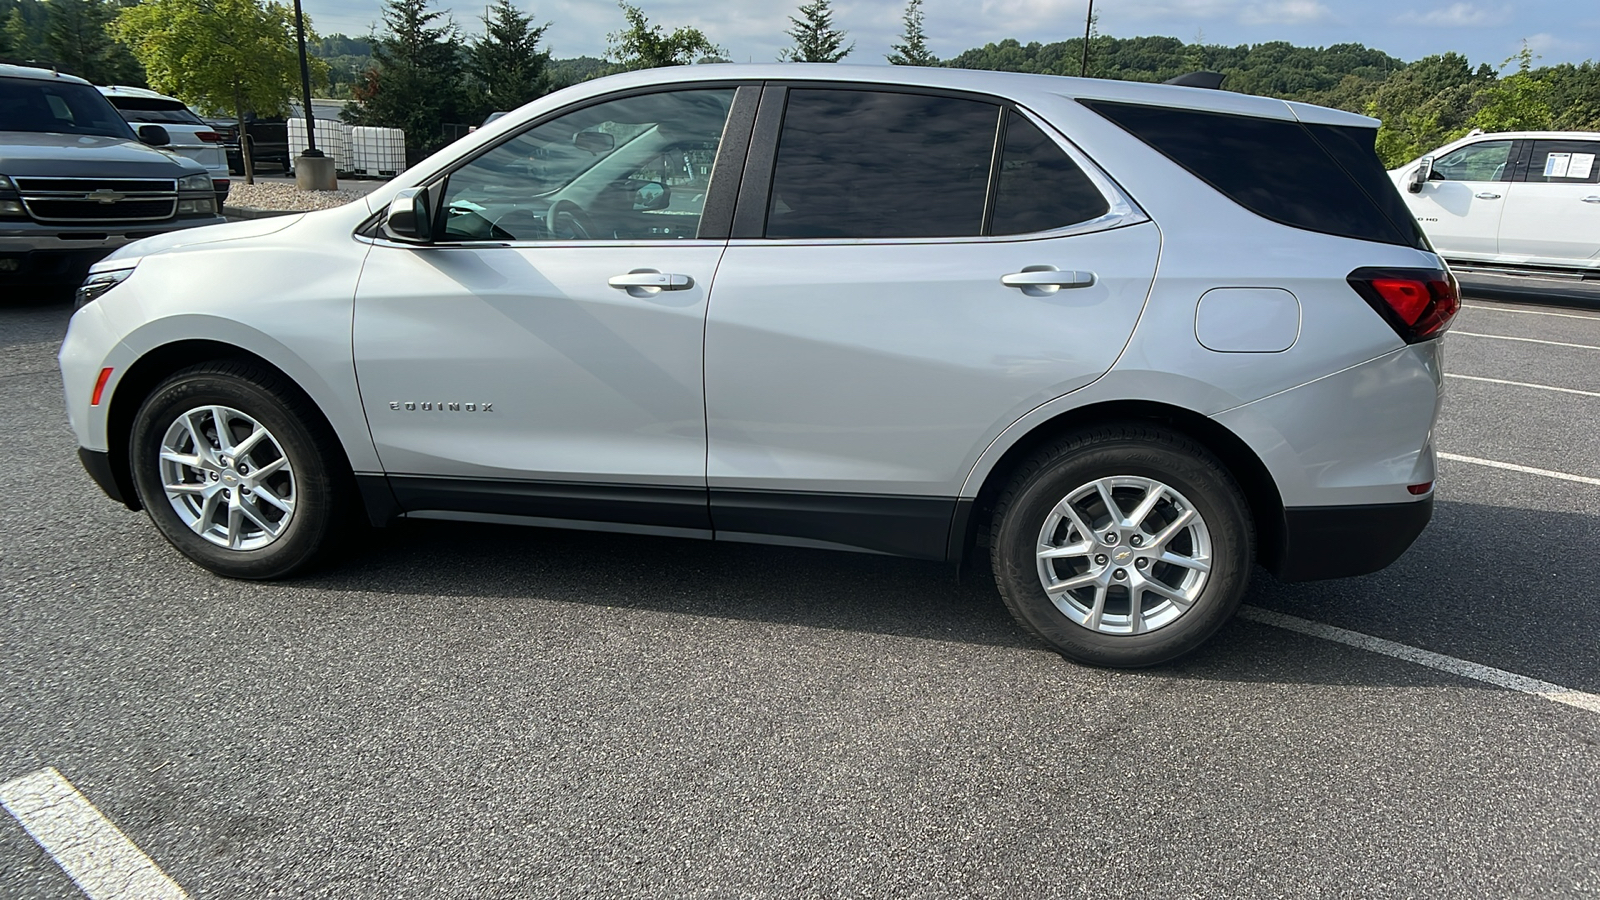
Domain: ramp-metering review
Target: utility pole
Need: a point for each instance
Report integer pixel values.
(313, 171)
(1088, 22)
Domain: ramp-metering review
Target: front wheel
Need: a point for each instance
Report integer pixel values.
(1122, 546)
(238, 472)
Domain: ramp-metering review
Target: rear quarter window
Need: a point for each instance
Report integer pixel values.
(1319, 178)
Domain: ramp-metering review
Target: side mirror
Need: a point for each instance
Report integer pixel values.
(410, 217)
(154, 135)
(649, 195)
(594, 141)
(1421, 174)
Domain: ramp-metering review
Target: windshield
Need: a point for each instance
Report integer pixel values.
(149, 109)
(64, 107)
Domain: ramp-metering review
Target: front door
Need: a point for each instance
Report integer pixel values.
(1459, 208)
(862, 348)
(543, 359)
(1553, 208)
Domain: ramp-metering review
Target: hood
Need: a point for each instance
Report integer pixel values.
(51, 155)
(190, 237)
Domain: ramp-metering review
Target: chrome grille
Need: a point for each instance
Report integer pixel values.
(98, 199)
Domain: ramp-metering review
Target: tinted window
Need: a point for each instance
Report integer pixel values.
(1355, 150)
(868, 164)
(64, 107)
(630, 169)
(148, 109)
(1040, 186)
(1564, 162)
(1274, 168)
(1475, 162)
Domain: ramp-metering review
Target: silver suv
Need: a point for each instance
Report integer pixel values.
(1124, 339)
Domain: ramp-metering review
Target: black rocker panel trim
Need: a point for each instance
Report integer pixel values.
(98, 464)
(918, 527)
(653, 505)
(1341, 541)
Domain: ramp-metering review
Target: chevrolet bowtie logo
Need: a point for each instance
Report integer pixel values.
(106, 196)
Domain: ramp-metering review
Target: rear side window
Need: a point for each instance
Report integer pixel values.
(1040, 187)
(1564, 162)
(1319, 178)
(150, 109)
(872, 164)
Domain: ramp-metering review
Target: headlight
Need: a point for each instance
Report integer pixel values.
(200, 182)
(98, 283)
(202, 207)
(10, 205)
(6, 185)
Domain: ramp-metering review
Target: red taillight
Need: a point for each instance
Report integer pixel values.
(210, 137)
(1418, 303)
(100, 386)
(220, 185)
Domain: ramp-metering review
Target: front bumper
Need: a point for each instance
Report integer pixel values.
(1319, 542)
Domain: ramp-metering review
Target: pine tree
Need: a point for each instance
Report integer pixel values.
(506, 63)
(914, 49)
(77, 38)
(645, 46)
(415, 80)
(815, 38)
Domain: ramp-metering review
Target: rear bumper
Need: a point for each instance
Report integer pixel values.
(1341, 541)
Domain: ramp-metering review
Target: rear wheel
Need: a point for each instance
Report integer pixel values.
(1122, 546)
(238, 472)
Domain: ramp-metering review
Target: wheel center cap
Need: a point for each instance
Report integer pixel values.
(230, 477)
(1122, 555)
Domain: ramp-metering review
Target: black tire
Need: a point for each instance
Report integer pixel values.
(325, 506)
(1079, 459)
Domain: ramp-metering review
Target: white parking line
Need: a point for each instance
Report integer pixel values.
(95, 853)
(1532, 312)
(1542, 387)
(1528, 470)
(1502, 337)
(1486, 674)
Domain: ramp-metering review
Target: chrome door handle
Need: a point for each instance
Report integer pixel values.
(650, 278)
(1047, 277)
(1592, 198)
(1487, 195)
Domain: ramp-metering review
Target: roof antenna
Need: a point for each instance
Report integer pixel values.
(1209, 80)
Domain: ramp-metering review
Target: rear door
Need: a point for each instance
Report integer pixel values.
(901, 287)
(1553, 207)
(1460, 206)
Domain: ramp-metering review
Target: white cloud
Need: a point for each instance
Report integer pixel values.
(1285, 12)
(1456, 15)
(1545, 42)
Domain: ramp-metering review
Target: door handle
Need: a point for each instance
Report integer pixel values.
(1487, 195)
(1592, 198)
(1046, 279)
(649, 282)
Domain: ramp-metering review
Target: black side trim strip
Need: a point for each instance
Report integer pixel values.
(917, 527)
(98, 464)
(655, 505)
(1340, 541)
(382, 507)
(716, 218)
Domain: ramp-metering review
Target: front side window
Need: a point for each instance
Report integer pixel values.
(61, 107)
(1484, 161)
(874, 164)
(636, 168)
(1564, 162)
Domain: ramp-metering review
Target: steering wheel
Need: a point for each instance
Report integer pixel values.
(580, 226)
(517, 225)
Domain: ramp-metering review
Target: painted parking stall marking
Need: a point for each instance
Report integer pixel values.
(1514, 467)
(1487, 674)
(1502, 337)
(1523, 384)
(92, 850)
(1531, 312)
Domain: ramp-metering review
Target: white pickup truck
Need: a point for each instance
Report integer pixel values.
(1524, 201)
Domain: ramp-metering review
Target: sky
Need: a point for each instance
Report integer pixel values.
(1486, 31)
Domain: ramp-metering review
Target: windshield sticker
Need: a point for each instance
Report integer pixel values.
(1556, 164)
(1580, 167)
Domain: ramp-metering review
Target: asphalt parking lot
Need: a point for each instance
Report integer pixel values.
(470, 711)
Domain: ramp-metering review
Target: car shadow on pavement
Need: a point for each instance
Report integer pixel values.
(1452, 593)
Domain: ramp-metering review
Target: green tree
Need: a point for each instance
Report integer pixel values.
(415, 81)
(78, 38)
(642, 45)
(913, 47)
(1426, 105)
(815, 38)
(1574, 95)
(17, 38)
(1517, 102)
(506, 64)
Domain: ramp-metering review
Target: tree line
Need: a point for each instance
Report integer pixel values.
(418, 71)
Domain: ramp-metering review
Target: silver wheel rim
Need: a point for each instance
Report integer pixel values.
(1124, 555)
(227, 478)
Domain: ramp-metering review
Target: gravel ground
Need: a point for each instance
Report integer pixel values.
(286, 196)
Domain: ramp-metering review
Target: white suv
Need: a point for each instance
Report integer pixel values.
(1524, 200)
(190, 136)
(1126, 339)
